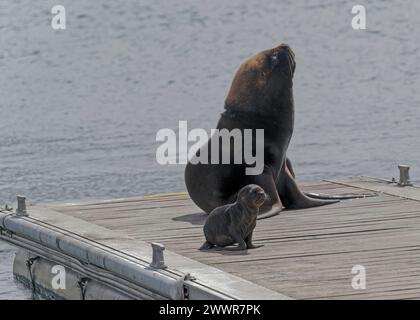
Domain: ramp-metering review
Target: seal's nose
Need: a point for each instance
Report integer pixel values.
(288, 48)
(287, 52)
(260, 193)
(283, 46)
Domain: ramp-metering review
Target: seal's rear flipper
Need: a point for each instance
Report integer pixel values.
(345, 196)
(293, 198)
(206, 246)
(323, 196)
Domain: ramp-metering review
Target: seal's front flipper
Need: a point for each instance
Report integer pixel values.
(293, 198)
(272, 205)
(290, 167)
(206, 246)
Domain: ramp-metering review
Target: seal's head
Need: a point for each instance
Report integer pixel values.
(264, 80)
(251, 196)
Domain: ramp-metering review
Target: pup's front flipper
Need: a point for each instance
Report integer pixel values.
(249, 243)
(241, 244)
(206, 246)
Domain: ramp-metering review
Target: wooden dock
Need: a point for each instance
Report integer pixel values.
(307, 254)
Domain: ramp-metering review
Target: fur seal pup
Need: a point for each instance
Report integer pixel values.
(260, 97)
(235, 223)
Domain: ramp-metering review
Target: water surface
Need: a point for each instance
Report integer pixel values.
(80, 108)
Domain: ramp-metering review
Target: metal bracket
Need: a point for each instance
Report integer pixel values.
(82, 284)
(21, 207)
(186, 290)
(158, 259)
(29, 264)
(404, 176)
(6, 232)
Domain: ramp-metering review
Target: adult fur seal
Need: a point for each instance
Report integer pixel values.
(235, 223)
(260, 97)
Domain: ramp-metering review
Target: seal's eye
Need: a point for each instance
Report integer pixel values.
(274, 60)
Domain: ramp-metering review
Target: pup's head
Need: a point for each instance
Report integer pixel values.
(252, 196)
(264, 79)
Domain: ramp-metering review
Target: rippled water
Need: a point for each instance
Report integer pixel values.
(80, 108)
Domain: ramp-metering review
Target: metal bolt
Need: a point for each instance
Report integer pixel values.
(158, 260)
(21, 207)
(404, 176)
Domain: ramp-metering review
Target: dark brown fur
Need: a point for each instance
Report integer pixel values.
(260, 97)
